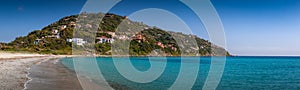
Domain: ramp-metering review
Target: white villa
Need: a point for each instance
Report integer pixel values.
(104, 39)
(37, 41)
(77, 41)
(63, 27)
(55, 34)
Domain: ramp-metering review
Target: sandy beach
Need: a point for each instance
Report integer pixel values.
(52, 75)
(14, 69)
(11, 55)
(37, 72)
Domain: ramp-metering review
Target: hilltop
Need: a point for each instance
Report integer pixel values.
(58, 37)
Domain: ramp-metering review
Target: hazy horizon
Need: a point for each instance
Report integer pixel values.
(252, 27)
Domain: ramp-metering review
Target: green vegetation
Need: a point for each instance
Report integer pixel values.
(103, 48)
(149, 43)
(104, 34)
(52, 39)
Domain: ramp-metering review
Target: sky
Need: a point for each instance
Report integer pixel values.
(252, 27)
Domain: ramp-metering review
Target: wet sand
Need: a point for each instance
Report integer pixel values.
(52, 75)
(14, 71)
(19, 71)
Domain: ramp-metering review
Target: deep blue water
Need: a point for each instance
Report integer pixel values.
(240, 73)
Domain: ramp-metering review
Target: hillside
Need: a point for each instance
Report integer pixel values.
(57, 38)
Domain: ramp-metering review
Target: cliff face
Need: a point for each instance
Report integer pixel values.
(58, 37)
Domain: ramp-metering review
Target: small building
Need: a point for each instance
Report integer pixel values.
(72, 24)
(125, 17)
(111, 33)
(77, 41)
(195, 48)
(201, 47)
(54, 31)
(139, 37)
(174, 48)
(104, 39)
(146, 27)
(37, 41)
(63, 27)
(57, 35)
(69, 40)
(89, 26)
(160, 44)
(77, 26)
(109, 15)
(122, 37)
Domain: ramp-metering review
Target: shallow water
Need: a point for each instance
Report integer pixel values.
(240, 73)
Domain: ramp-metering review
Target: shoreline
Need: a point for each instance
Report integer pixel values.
(161, 55)
(29, 78)
(43, 72)
(53, 75)
(15, 66)
(14, 72)
(29, 71)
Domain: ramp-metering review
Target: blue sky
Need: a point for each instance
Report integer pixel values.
(261, 27)
(19, 17)
(252, 27)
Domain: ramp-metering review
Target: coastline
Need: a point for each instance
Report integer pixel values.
(16, 55)
(44, 72)
(29, 71)
(53, 75)
(14, 69)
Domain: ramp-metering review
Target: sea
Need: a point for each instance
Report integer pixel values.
(236, 72)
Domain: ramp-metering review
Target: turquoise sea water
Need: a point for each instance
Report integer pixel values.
(240, 73)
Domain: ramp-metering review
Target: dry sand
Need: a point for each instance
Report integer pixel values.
(8, 55)
(14, 69)
(20, 71)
